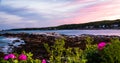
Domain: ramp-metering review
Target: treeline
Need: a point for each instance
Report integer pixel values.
(105, 24)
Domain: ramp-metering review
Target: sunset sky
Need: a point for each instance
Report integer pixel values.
(44, 13)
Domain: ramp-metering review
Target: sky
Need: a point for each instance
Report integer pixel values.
(45, 13)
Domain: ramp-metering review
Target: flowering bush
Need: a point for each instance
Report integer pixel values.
(91, 52)
(22, 58)
(111, 52)
(102, 52)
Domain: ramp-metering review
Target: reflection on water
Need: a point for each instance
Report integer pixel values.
(72, 32)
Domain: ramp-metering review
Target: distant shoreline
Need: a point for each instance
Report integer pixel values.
(105, 24)
(58, 29)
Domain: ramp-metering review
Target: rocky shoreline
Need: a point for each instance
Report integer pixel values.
(35, 42)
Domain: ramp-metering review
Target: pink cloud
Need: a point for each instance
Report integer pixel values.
(108, 10)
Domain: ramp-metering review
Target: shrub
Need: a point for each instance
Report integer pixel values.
(102, 52)
(60, 54)
(111, 53)
(91, 52)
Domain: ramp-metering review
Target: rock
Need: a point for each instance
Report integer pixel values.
(35, 42)
(16, 41)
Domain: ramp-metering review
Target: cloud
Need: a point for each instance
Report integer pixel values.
(9, 19)
(50, 9)
(42, 13)
(13, 21)
(34, 9)
(107, 10)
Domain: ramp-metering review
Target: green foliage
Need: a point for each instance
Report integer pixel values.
(60, 54)
(56, 51)
(91, 52)
(75, 55)
(111, 53)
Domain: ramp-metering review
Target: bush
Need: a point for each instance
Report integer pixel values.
(111, 53)
(91, 52)
(102, 52)
(60, 54)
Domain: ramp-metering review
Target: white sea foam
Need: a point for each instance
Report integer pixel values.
(9, 44)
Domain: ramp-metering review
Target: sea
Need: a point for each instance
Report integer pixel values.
(6, 41)
(70, 32)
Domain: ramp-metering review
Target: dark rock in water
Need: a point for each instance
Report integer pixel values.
(10, 44)
(16, 41)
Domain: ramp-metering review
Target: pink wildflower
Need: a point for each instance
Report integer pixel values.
(11, 56)
(101, 45)
(43, 61)
(22, 57)
(6, 57)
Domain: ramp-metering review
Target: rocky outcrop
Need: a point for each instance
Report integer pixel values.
(35, 42)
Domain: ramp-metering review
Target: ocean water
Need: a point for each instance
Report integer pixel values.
(71, 32)
(5, 44)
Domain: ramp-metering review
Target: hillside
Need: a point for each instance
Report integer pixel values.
(105, 24)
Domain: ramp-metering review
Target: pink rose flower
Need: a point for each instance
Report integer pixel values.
(22, 57)
(11, 56)
(6, 57)
(101, 45)
(43, 61)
